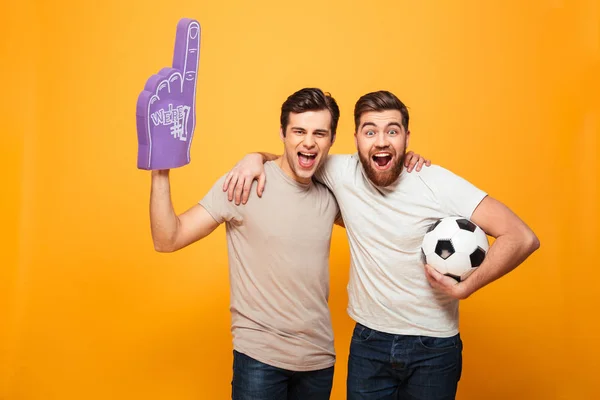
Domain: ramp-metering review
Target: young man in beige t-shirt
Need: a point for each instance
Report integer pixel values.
(278, 258)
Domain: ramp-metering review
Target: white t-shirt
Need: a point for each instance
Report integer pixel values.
(388, 290)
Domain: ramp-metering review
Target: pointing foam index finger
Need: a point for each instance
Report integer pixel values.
(187, 48)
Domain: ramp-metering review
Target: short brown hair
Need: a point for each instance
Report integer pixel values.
(379, 101)
(310, 99)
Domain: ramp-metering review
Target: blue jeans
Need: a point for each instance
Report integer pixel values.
(384, 366)
(254, 380)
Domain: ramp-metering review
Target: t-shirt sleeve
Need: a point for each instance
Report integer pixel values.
(456, 195)
(218, 205)
(333, 169)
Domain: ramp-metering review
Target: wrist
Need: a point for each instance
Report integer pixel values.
(160, 173)
(468, 287)
(464, 292)
(262, 157)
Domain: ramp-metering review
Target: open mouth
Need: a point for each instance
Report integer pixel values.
(382, 160)
(306, 160)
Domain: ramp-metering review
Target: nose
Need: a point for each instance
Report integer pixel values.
(309, 141)
(381, 140)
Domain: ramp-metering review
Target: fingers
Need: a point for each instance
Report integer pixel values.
(431, 279)
(261, 184)
(227, 180)
(434, 277)
(246, 190)
(407, 158)
(422, 162)
(441, 280)
(444, 283)
(430, 271)
(412, 162)
(235, 186)
(239, 187)
(231, 189)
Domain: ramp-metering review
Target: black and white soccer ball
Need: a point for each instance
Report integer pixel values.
(455, 247)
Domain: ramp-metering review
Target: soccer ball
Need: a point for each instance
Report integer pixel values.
(455, 247)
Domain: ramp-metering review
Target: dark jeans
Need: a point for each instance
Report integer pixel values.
(254, 380)
(384, 366)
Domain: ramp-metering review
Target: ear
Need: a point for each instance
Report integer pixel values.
(281, 134)
(407, 139)
(355, 141)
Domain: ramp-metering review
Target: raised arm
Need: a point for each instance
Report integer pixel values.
(515, 241)
(171, 232)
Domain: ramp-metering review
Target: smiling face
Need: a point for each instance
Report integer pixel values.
(309, 119)
(381, 141)
(307, 141)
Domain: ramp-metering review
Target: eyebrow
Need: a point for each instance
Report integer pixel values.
(388, 125)
(297, 128)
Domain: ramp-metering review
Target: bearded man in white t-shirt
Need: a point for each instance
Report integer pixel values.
(406, 343)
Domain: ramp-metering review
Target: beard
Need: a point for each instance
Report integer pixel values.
(382, 178)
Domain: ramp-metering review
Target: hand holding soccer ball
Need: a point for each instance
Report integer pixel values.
(453, 248)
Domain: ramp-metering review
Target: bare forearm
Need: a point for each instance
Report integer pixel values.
(163, 219)
(506, 253)
(267, 156)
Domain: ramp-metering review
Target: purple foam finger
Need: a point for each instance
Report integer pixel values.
(144, 148)
(187, 52)
(186, 59)
(167, 71)
(152, 83)
(165, 113)
(146, 98)
(187, 49)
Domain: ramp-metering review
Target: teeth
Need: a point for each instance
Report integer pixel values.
(382, 155)
(308, 154)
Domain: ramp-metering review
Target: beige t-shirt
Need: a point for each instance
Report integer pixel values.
(388, 290)
(278, 248)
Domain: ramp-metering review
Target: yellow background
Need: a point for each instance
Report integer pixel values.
(503, 93)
